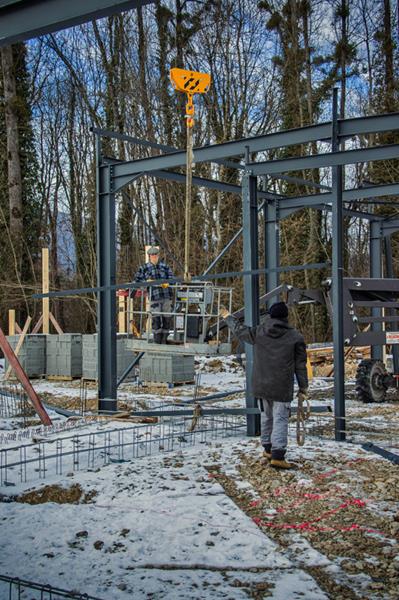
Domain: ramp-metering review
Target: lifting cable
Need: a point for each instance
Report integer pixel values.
(189, 82)
(189, 181)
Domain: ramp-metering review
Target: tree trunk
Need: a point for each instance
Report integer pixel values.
(13, 155)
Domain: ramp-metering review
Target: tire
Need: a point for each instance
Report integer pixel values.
(369, 388)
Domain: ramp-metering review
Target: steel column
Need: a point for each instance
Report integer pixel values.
(376, 272)
(106, 273)
(391, 275)
(272, 246)
(337, 283)
(251, 285)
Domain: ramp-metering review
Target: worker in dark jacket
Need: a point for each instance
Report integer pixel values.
(160, 296)
(279, 354)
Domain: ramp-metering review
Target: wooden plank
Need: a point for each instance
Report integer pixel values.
(19, 345)
(45, 290)
(24, 379)
(57, 326)
(11, 322)
(121, 314)
(38, 325)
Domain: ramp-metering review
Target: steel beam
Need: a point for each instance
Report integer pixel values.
(126, 372)
(24, 19)
(370, 447)
(337, 281)
(272, 246)
(376, 273)
(390, 273)
(292, 137)
(332, 159)
(251, 285)
(106, 275)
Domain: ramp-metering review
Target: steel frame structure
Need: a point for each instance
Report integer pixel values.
(114, 175)
(24, 19)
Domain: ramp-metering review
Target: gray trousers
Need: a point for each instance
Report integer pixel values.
(274, 423)
(161, 323)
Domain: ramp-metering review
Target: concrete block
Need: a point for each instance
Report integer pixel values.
(32, 355)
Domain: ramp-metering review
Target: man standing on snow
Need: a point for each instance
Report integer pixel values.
(161, 296)
(279, 354)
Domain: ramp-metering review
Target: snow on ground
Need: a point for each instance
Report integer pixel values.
(189, 521)
(157, 527)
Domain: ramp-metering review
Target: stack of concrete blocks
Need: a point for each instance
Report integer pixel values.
(124, 356)
(64, 355)
(32, 354)
(167, 368)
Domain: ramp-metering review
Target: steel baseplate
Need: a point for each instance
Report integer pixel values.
(193, 349)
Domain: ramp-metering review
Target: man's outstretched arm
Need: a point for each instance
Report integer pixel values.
(241, 331)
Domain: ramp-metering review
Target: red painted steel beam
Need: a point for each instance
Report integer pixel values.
(24, 379)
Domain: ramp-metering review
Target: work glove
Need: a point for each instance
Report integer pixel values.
(302, 394)
(223, 312)
(164, 285)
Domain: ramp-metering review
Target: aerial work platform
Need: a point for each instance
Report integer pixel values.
(192, 349)
(195, 322)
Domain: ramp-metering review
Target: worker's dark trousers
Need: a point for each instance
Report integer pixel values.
(274, 423)
(161, 323)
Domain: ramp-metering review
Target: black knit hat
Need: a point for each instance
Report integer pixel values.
(279, 310)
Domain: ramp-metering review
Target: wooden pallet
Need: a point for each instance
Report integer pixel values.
(165, 385)
(61, 377)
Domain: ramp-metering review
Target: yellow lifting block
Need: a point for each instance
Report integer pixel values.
(190, 82)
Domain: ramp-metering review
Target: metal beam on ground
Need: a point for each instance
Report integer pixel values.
(24, 19)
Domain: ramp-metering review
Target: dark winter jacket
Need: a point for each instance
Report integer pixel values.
(279, 354)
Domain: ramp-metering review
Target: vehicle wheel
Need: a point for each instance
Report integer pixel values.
(370, 381)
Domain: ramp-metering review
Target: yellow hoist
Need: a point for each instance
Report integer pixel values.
(189, 82)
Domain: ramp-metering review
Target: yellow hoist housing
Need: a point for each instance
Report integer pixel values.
(190, 82)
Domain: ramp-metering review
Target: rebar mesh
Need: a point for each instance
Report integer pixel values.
(13, 588)
(99, 448)
(14, 402)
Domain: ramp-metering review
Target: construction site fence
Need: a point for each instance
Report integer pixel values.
(14, 588)
(88, 451)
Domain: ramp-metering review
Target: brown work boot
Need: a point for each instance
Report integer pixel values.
(267, 451)
(278, 460)
(281, 464)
